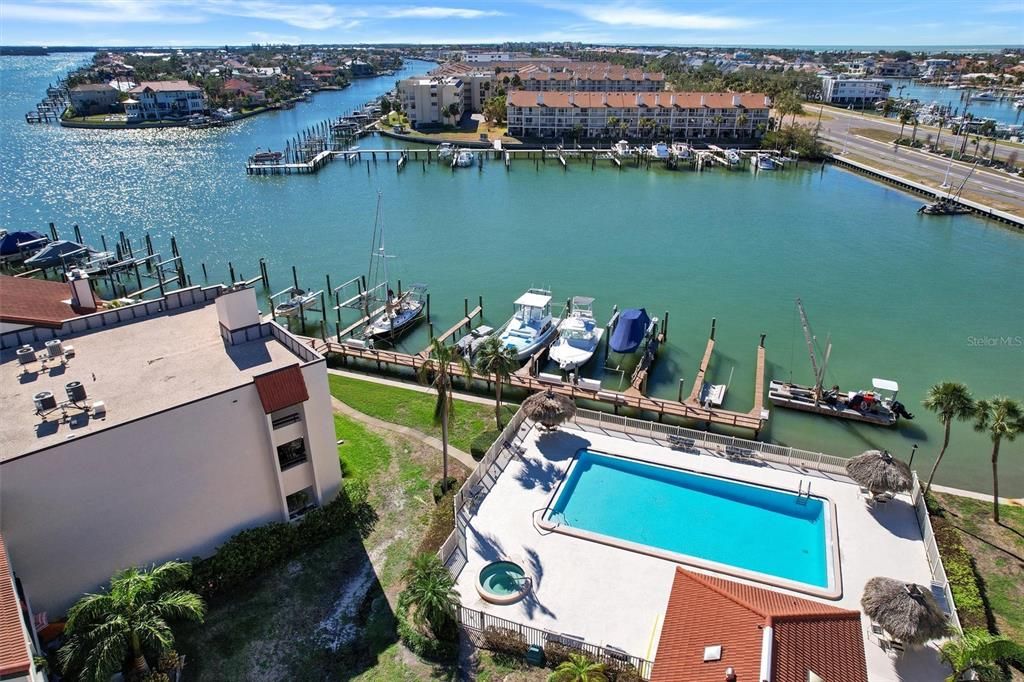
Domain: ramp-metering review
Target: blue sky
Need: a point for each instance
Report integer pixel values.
(735, 22)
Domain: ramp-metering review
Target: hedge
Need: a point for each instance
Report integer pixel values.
(252, 552)
(964, 581)
(478, 448)
(442, 523)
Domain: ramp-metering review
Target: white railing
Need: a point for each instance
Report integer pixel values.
(768, 452)
(479, 482)
(931, 549)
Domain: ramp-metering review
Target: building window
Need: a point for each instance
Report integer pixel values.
(286, 420)
(300, 502)
(291, 453)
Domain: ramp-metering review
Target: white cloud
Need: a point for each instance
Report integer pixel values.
(645, 17)
(99, 11)
(438, 13)
(312, 16)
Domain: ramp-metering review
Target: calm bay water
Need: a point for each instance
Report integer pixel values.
(1002, 111)
(906, 297)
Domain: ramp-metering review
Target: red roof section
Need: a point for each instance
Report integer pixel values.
(38, 302)
(630, 100)
(14, 653)
(239, 85)
(705, 610)
(164, 86)
(281, 388)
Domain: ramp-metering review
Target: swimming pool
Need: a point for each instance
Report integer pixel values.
(748, 530)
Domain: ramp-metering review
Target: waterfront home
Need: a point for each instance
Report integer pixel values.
(715, 115)
(245, 91)
(155, 431)
(157, 100)
(857, 92)
(426, 101)
(93, 98)
(689, 560)
(591, 77)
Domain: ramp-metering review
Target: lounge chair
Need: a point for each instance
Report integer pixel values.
(681, 443)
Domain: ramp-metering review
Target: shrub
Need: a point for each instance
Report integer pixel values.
(555, 654)
(168, 661)
(478, 448)
(963, 579)
(505, 641)
(441, 488)
(442, 523)
(441, 648)
(251, 552)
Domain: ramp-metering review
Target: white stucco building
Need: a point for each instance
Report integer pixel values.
(155, 100)
(859, 92)
(212, 421)
(426, 100)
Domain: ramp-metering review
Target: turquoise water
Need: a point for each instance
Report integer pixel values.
(905, 297)
(754, 528)
(1002, 111)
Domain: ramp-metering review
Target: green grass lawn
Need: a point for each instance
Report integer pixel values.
(414, 409)
(998, 552)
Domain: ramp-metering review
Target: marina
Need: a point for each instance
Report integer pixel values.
(702, 245)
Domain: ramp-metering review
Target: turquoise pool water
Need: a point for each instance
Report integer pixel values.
(746, 526)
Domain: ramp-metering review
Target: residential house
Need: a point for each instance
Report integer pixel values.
(359, 69)
(156, 100)
(153, 432)
(688, 115)
(94, 98)
(245, 91)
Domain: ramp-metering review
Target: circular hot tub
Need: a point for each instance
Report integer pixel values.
(503, 582)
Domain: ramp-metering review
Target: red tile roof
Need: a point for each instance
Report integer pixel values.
(705, 610)
(14, 652)
(239, 85)
(619, 100)
(37, 302)
(164, 86)
(281, 388)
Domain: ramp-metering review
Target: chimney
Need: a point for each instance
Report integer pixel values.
(702, 97)
(82, 297)
(572, 98)
(767, 101)
(540, 99)
(236, 312)
(735, 100)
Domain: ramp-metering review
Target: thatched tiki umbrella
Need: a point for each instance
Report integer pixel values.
(878, 471)
(906, 611)
(549, 408)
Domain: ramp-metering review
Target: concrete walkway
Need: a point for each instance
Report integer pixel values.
(406, 431)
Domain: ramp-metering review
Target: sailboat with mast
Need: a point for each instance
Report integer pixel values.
(402, 310)
(878, 406)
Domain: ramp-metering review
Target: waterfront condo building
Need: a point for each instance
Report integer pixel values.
(156, 100)
(154, 431)
(857, 92)
(689, 115)
(93, 98)
(590, 77)
(426, 101)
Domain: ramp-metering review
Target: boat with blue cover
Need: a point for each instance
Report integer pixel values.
(631, 328)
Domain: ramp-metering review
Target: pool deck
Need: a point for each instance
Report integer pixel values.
(612, 596)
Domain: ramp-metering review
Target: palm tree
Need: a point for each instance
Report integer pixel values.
(129, 619)
(578, 668)
(453, 110)
(979, 652)
(717, 119)
(941, 122)
(741, 122)
(949, 400)
(494, 358)
(905, 116)
(430, 589)
(1001, 418)
(913, 136)
(887, 108)
(437, 372)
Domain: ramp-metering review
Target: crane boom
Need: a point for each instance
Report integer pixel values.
(810, 343)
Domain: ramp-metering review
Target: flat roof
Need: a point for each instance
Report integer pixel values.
(533, 300)
(137, 369)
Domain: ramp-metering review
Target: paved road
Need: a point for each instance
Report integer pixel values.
(997, 189)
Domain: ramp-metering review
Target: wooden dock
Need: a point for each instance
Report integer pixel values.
(758, 409)
(466, 321)
(698, 382)
(660, 407)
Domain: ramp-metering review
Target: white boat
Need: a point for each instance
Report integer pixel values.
(984, 96)
(401, 313)
(578, 336)
(531, 326)
(299, 299)
(621, 148)
(471, 342)
(465, 158)
(733, 157)
(682, 151)
(445, 151)
(1019, 103)
(659, 150)
(765, 162)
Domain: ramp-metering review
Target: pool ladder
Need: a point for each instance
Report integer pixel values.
(803, 495)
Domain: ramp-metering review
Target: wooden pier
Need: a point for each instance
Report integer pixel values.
(618, 400)
(466, 321)
(698, 382)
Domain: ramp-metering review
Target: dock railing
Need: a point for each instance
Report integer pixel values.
(940, 582)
